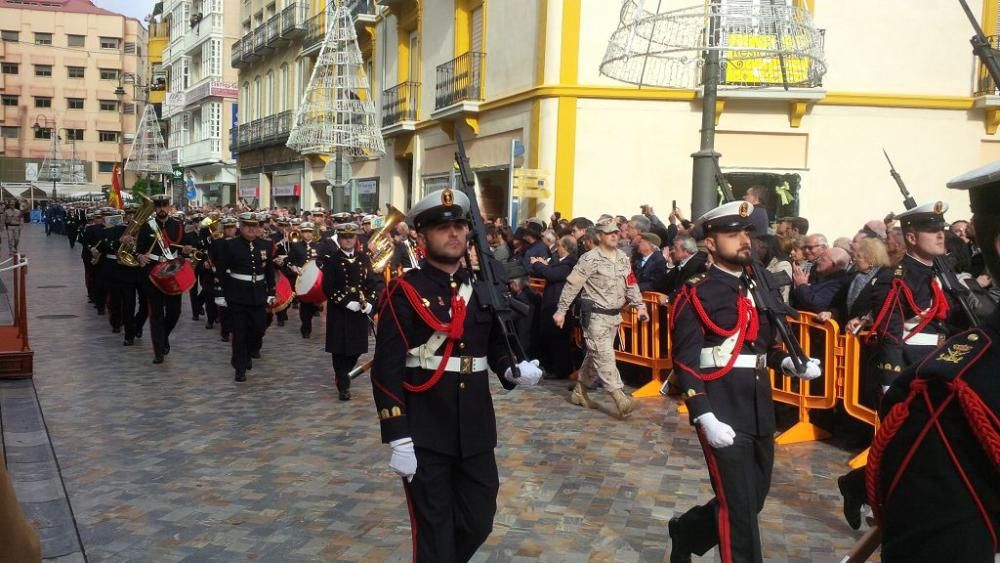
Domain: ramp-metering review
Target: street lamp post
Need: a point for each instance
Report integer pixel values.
(120, 94)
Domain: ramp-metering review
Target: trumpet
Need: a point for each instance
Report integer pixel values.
(295, 235)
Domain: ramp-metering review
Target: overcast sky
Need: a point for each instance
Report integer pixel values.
(137, 9)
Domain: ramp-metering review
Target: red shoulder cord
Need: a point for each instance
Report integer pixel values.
(982, 420)
(747, 325)
(453, 329)
(938, 309)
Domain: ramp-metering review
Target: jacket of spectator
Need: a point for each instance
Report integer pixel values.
(692, 266)
(829, 291)
(651, 271)
(555, 274)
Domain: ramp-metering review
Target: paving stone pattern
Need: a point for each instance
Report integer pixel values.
(179, 463)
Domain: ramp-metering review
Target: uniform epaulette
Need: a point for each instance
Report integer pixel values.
(955, 356)
(696, 279)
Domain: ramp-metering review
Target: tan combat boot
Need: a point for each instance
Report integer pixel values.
(579, 397)
(625, 403)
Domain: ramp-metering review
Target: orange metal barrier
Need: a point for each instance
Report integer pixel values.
(851, 392)
(16, 355)
(819, 340)
(647, 343)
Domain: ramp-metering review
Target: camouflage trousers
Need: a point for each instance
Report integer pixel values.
(599, 339)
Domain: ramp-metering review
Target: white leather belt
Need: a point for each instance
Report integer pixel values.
(155, 258)
(111, 256)
(461, 364)
(247, 278)
(923, 339)
(713, 358)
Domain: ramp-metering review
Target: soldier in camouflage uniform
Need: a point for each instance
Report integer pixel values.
(604, 275)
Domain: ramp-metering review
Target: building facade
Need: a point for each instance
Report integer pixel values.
(74, 71)
(201, 98)
(276, 56)
(547, 132)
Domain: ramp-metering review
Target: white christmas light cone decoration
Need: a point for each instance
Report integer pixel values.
(52, 167)
(337, 110)
(149, 152)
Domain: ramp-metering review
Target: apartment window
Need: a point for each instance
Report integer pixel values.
(74, 103)
(75, 71)
(269, 96)
(10, 132)
(129, 48)
(107, 136)
(109, 105)
(43, 70)
(109, 74)
(10, 68)
(76, 40)
(128, 108)
(105, 167)
(43, 39)
(74, 134)
(283, 89)
(10, 100)
(43, 133)
(10, 35)
(41, 102)
(110, 42)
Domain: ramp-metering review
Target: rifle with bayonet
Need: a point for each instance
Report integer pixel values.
(763, 291)
(490, 282)
(949, 281)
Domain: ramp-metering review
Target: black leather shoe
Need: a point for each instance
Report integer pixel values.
(241, 377)
(129, 342)
(852, 503)
(281, 322)
(166, 349)
(158, 359)
(116, 329)
(255, 355)
(209, 326)
(225, 338)
(680, 552)
(249, 366)
(195, 318)
(306, 333)
(100, 312)
(138, 332)
(345, 395)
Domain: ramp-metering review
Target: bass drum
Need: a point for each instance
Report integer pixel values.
(309, 286)
(283, 293)
(174, 277)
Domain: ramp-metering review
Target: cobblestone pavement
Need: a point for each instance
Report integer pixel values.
(178, 463)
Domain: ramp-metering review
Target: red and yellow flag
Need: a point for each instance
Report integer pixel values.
(115, 197)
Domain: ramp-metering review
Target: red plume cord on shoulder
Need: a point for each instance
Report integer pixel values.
(453, 329)
(747, 325)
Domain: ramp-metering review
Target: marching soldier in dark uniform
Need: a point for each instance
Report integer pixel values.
(432, 391)
(125, 283)
(89, 237)
(73, 224)
(281, 248)
(192, 240)
(207, 235)
(352, 290)
(228, 234)
(93, 255)
(298, 254)
(106, 268)
(721, 350)
(244, 265)
(164, 310)
(913, 316)
(933, 468)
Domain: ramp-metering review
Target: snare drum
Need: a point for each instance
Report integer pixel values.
(283, 294)
(309, 285)
(173, 277)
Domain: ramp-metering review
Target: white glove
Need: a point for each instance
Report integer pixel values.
(221, 302)
(368, 308)
(885, 389)
(271, 300)
(718, 433)
(354, 306)
(529, 371)
(404, 459)
(810, 370)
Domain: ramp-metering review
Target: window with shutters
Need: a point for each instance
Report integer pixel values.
(9, 35)
(211, 120)
(43, 39)
(269, 96)
(129, 48)
(107, 136)
(76, 41)
(10, 100)
(9, 132)
(74, 134)
(109, 74)
(10, 68)
(477, 30)
(43, 102)
(211, 56)
(283, 89)
(44, 71)
(109, 105)
(75, 71)
(110, 43)
(43, 133)
(128, 108)
(74, 103)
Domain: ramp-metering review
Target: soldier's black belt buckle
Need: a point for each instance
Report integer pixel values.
(466, 364)
(761, 362)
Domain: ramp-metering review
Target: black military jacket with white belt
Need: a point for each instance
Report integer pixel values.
(245, 258)
(455, 417)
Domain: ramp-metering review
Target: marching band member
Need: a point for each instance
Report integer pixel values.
(352, 289)
(228, 233)
(298, 254)
(164, 309)
(244, 265)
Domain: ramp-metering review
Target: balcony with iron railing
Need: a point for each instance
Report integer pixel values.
(460, 80)
(293, 20)
(209, 25)
(210, 87)
(264, 132)
(399, 107)
(315, 33)
(200, 152)
(362, 11)
(236, 54)
(985, 86)
(284, 26)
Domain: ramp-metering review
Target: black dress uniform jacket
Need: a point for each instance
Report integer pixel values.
(455, 417)
(742, 397)
(894, 354)
(250, 258)
(932, 515)
(345, 279)
(92, 236)
(172, 231)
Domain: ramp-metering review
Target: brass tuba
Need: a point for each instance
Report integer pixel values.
(381, 245)
(126, 250)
